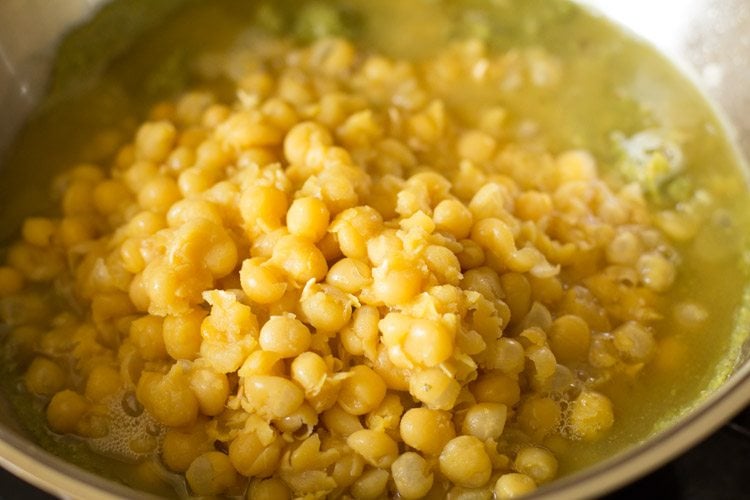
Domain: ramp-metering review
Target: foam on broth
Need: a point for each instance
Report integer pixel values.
(610, 85)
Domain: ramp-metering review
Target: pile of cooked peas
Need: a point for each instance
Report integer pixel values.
(347, 281)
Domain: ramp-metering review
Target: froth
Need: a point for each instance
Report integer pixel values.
(564, 402)
(133, 432)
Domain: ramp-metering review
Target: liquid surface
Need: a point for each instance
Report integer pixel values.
(615, 98)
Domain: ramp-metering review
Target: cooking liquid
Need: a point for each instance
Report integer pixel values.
(611, 84)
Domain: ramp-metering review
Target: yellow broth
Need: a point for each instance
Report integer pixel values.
(610, 84)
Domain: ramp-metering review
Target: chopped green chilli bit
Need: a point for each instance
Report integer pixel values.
(365, 249)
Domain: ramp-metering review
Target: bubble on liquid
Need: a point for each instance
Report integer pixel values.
(565, 429)
(129, 428)
(130, 404)
(564, 400)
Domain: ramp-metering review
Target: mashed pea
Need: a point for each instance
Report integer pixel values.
(343, 280)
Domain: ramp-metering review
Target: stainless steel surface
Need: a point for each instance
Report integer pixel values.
(709, 39)
(29, 30)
